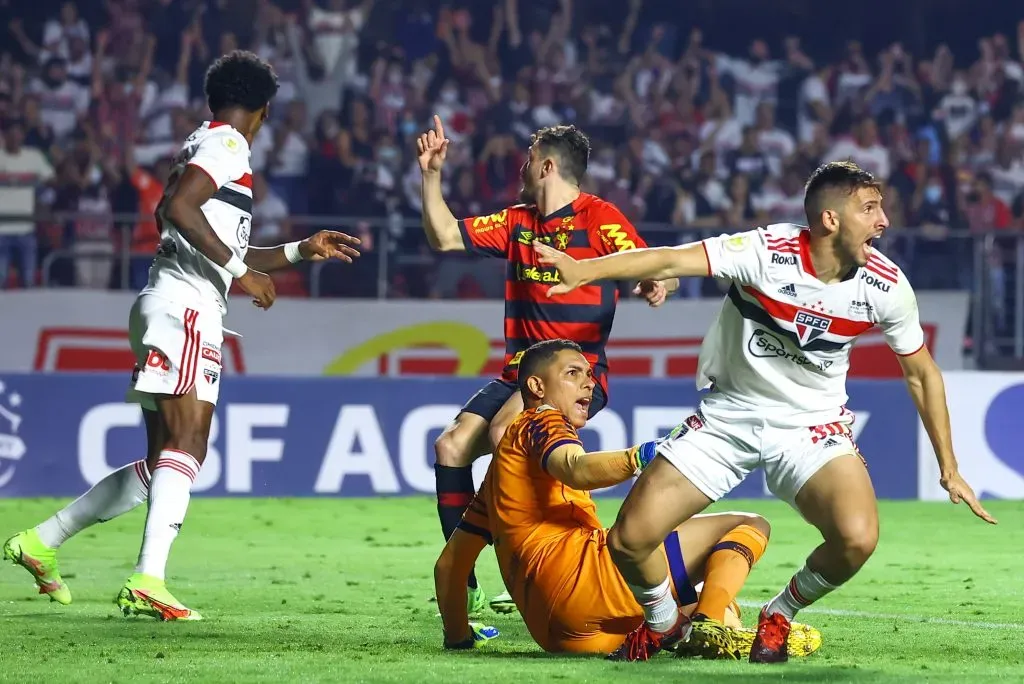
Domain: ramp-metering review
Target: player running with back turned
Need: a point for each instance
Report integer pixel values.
(175, 330)
(776, 361)
(554, 212)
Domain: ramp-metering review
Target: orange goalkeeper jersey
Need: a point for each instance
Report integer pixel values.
(526, 513)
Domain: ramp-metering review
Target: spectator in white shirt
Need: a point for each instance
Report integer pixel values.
(336, 30)
(270, 225)
(958, 110)
(814, 105)
(22, 170)
(62, 101)
(775, 143)
(58, 32)
(864, 150)
(756, 79)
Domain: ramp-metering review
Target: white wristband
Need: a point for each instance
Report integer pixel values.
(291, 252)
(236, 267)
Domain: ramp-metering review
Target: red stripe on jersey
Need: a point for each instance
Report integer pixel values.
(525, 291)
(787, 312)
(784, 249)
(548, 330)
(882, 263)
(805, 253)
(217, 124)
(923, 344)
(706, 258)
(884, 275)
(773, 242)
(882, 267)
(245, 181)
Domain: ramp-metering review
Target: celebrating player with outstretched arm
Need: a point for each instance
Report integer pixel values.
(175, 329)
(775, 362)
(554, 212)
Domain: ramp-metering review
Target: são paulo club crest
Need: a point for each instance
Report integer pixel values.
(12, 448)
(810, 326)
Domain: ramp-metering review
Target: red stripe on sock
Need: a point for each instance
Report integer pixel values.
(191, 460)
(142, 472)
(179, 467)
(454, 499)
(796, 593)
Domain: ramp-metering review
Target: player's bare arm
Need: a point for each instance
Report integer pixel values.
(439, 224)
(652, 263)
(451, 572)
(324, 245)
(571, 465)
(924, 380)
(184, 209)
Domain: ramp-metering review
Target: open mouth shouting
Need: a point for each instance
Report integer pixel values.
(582, 405)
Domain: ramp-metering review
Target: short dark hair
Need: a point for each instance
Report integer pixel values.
(240, 79)
(539, 355)
(839, 176)
(570, 145)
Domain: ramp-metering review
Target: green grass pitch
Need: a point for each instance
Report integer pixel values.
(337, 591)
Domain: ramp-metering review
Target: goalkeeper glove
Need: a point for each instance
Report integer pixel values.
(643, 454)
(481, 635)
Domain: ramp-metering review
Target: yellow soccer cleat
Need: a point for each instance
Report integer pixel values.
(28, 550)
(709, 639)
(147, 595)
(803, 640)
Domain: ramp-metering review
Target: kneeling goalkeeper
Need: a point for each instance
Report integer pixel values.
(535, 508)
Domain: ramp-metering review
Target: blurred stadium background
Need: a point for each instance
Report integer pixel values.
(705, 116)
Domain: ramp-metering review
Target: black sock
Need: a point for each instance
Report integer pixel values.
(454, 493)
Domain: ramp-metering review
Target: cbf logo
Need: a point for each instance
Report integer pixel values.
(810, 327)
(12, 448)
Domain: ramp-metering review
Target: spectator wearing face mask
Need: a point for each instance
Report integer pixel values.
(931, 209)
(957, 110)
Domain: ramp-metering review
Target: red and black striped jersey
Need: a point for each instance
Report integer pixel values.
(589, 227)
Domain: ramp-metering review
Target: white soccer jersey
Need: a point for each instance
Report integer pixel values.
(179, 272)
(781, 342)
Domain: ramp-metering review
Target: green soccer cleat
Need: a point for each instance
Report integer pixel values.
(147, 595)
(28, 550)
(476, 602)
(503, 603)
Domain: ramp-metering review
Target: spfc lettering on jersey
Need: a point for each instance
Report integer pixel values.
(810, 326)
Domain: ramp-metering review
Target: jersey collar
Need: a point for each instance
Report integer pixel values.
(805, 253)
(571, 209)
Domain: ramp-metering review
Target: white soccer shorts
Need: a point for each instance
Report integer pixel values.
(716, 451)
(177, 348)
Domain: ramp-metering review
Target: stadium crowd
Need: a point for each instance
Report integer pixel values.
(687, 140)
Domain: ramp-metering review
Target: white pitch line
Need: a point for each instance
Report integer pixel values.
(894, 616)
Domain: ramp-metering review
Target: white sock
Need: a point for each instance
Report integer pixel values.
(114, 495)
(660, 609)
(803, 589)
(169, 493)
